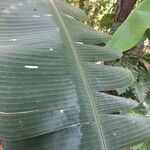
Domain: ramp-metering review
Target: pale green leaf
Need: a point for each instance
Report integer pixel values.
(132, 30)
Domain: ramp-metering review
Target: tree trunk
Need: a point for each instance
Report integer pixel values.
(124, 9)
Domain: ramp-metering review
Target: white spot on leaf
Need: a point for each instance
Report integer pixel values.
(13, 40)
(99, 62)
(88, 123)
(36, 16)
(20, 121)
(61, 111)
(31, 67)
(69, 16)
(57, 29)
(48, 15)
(78, 42)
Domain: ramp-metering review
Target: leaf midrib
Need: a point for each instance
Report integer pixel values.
(82, 72)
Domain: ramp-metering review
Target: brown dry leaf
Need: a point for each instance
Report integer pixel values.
(146, 64)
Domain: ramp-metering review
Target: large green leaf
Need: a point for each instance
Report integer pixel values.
(50, 84)
(132, 30)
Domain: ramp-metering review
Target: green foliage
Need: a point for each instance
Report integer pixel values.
(133, 29)
(53, 93)
(147, 33)
(127, 36)
(138, 63)
(101, 13)
(142, 146)
(107, 20)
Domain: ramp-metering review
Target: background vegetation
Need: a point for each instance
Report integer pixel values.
(103, 14)
(107, 16)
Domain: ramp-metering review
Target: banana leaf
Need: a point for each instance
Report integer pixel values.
(53, 94)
